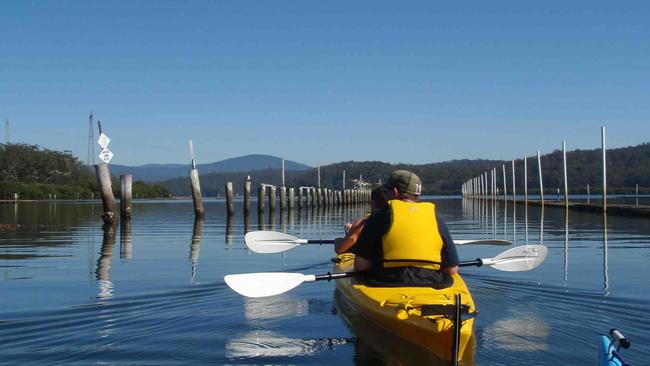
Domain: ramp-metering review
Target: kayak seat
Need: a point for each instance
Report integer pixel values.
(408, 277)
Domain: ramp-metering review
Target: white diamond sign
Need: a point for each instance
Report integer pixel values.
(103, 141)
(106, 155)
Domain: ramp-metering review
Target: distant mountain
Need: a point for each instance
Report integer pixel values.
(247, 163)
(626, 167)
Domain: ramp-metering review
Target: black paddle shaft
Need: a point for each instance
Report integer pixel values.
(320, 241)
(476, 262)
(335, 276)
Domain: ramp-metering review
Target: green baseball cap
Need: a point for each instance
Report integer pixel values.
(405, 182)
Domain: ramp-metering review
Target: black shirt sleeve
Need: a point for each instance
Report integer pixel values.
(449, 254)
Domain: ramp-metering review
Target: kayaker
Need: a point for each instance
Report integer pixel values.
(406, 242)
(352, 230)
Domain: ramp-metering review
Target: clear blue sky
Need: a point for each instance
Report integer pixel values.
(325, 81)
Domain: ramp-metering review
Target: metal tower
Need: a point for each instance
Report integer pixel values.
(90, 158)
(7, 132)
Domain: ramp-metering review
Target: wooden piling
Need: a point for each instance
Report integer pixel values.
(247, 197)
(272, 198)
(291, 198)
(525, 180)
(307, 197)
(541, 184)
(283, 197)
(261, 197)
(566, 181)
(602, 138)
(196, 193)
(126, 183)
(505, 187)
(230, 204)
(196, 186)
(108, 200)
(514, 195)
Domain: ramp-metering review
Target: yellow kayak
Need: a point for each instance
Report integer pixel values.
(421, 315)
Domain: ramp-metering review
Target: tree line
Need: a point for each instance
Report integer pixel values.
(34, 172)
(626, 167)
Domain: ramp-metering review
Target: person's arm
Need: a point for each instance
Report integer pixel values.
(449, 253)
(368, 247)
(342, 245)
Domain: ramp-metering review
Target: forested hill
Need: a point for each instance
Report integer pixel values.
(626, 167)
(37, 173)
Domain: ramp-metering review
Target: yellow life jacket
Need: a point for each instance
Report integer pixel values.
(412, 236)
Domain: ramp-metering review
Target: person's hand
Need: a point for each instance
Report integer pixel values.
(347, 227)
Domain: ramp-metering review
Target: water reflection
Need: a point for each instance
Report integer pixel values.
(266, 343)
(260, 220)
(195, 246)
(271, 344)
(272, 220)
(126, 250)
(258, 310)
(605, 276)
(102, 274)
(229, 229)
(247, 223)
(566, 245)
(522, 334)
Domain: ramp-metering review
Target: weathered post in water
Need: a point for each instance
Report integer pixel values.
(541, 185)
(566, 181)
(247, 196)
(196, 186)
(283, 198)
(307, 197)
(525, 180)
(505, 186)
(272, 194)
(108, 200)
(230, 205)
(292, 193)
(514, 195)
(104, 179)
(602, 138)
(126, 182)
(261, 196)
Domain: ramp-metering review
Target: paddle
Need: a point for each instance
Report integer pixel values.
(276, 242)
(522, 258)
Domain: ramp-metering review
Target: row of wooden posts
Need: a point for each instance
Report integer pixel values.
(484, 187)
(307, 196)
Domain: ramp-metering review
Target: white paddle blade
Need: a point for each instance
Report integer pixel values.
(263, 284)
(270, 241)
(522, 258)
(483, 242)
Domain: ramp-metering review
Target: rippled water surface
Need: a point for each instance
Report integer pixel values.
(152, 292)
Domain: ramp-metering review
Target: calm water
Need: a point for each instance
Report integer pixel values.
(153, 293)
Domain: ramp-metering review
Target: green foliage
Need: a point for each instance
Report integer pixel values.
(37, 173)
(626, 167)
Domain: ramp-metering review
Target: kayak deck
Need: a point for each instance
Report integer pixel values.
(421, 315)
